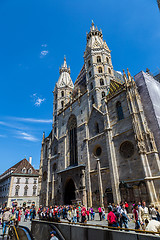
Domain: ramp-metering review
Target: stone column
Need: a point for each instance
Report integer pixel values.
(53, 184)
(100, 183)
(114, 174)
(84, 188)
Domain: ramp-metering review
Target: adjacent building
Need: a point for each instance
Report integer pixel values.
(101, 148)
(19, 185)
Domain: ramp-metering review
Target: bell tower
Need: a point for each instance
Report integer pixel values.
(98, 65)
(62, 92)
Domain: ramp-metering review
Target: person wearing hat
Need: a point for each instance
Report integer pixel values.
(53, 237)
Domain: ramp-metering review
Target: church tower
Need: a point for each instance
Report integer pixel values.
(62, 92)
(98, 65)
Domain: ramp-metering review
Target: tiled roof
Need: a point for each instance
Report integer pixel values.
(115, 87)
(17, 168)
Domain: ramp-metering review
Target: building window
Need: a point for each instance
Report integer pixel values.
(91, 86)
(119, 111)
(97, 128)
(62, 94)
(24, 170)
(103, 94)
(62, 104)
(44, 176)
(55, 118)
(25, 190)
(89, 63)
(26, 181)
(55, 106)
(54, 167)
(98, 59)
(107, 59)
(127, 149)
(55, 150)
(17, 190)
(30, 170)
(98, 151)
(56, 96)
(34, 190)
(101, 82)
(35, 180)
(109, 70)
(99, 70)
(46, 152)
(55, 130)
(90, 74)
(72, 131)
(18, 181)
(92, 98)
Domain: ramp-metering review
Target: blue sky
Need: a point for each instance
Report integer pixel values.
(35, 36)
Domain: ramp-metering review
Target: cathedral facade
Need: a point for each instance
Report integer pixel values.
(100, 149)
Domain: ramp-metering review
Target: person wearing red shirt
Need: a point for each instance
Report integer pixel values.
(126, 206)
(87, 211)
(112, 219)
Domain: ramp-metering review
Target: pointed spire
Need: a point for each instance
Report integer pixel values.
(43, 137)
(93, 27)
(64, 67)
(65, 63)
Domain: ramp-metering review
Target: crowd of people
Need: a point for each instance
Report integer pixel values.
(117, 215)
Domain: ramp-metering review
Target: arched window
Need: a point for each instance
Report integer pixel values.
(91, 86)
(62, 104)
(45, 176)
(90, 74)
(25, 190)
(55, 130)
(34, 190)
(101, 82)
(97, 128)
(55, 106)
(100, 70)
(72, 131)
(109, 70)
(89, 63)
(98, 59)
(103, 94)
(107, 59)
(92, 98)
(24, 170)
(55, 118)
(62, 94)
(119, 111)
(56, 96)
(30, 170)
(17, 190)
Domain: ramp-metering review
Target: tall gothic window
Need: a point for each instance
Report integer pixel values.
(119, 111)
(91, 86)
(72, 131)
(98, 59)
(17, 190)
(101, 82)
(107, 59)
(62, 94)
(97, 128)
(89, 63)
(99, 70)
(62, 104)
(103, 94)
(92, 98)
(109, 70)
(34, 190)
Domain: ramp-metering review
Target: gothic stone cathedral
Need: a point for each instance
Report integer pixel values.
(100, 149)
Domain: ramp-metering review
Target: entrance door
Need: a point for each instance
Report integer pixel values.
(69, 194)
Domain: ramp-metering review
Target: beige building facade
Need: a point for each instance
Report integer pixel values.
(100, 149)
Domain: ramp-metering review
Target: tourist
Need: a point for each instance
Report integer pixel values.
(74, 215)
(153, 213)
(157, 214)
(87, 212)
(6, 218)
(77, 211)
(143, 215)
(112, 220)
(126, 207)
(83, 213)
(136, 217)
(91, 213)
(53, 237)
(103, 214)
(100, 213)
(69, 215)
(124, 218)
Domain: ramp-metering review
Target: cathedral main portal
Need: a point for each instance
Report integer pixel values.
(69, 193)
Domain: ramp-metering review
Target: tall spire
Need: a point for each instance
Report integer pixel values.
(64, 67)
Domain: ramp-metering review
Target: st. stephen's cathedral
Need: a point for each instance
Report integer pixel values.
(101, 148)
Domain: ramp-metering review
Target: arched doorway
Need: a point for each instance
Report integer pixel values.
(69, 193)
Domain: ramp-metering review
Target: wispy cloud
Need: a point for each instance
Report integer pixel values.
(37, 100)
(43, 53)
(2, 136)
(26, 136)
(33, 120)
(44, 45)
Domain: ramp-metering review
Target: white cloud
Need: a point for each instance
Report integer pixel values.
(33, 120)
(43, 53)
(39, 101)
(44, 45)
(26, 136)
(2, 136)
